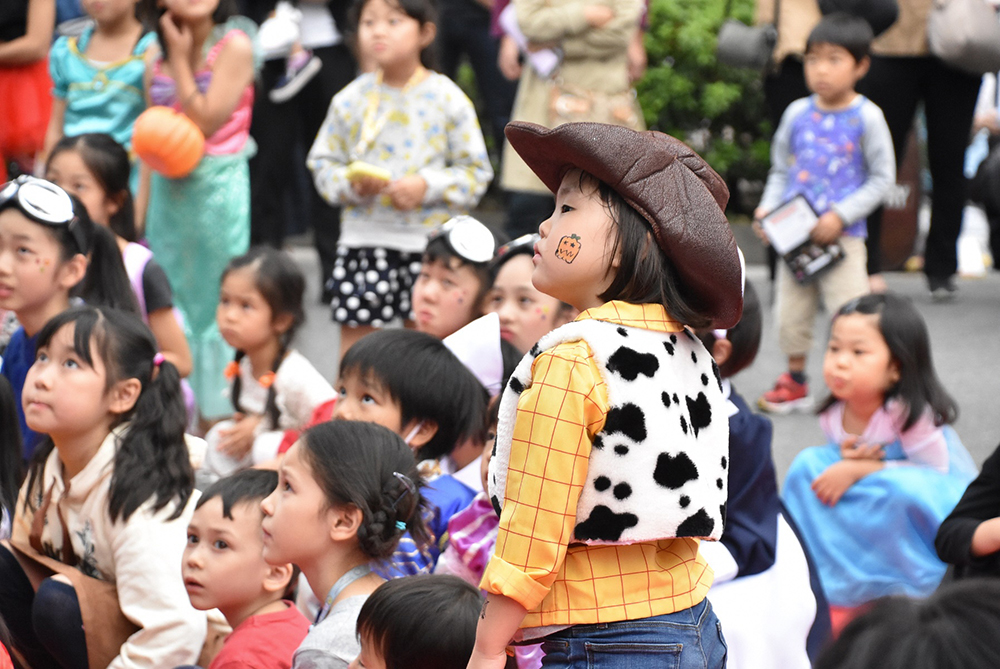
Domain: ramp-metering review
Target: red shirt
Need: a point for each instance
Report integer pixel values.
(265, 641)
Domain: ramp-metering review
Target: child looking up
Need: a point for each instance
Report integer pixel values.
(525, 312)
(610, 460)
(50, 250)
(869, 503)
(95, 168)
(224, 568)
(274, 388)
(412, 384)
(425, 622)
(834, 148)
(402, 151)
(98, 78)
(106, 504)
(203, 67)
(347, 492)
(454, 276)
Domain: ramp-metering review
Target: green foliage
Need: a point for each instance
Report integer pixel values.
(686, 92)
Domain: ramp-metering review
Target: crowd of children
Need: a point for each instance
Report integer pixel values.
(547, 465)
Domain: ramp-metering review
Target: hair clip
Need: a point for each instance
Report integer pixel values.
(158, 359)
(401, 526)
(409, 488)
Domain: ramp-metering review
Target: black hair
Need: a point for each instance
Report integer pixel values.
(151, 459)
(844, 30)
(249, 486)
(905, 333)
(955, 628)
(108, 162)
(421, 374)
(422, 622)
(370, 467)
(438, 250)
(744, 336)
(424, 11)
(105, 282)
(645, 275)
(280, 282)
(150, 13)
(11, 463)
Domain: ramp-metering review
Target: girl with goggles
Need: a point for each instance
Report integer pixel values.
(47, 245)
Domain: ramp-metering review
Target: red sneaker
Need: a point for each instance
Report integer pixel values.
(787, 395)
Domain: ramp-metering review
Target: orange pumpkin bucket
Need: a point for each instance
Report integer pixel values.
(168, 141)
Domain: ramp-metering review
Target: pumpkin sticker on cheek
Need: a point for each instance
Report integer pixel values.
(568, 248)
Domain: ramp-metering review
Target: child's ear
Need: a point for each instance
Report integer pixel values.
(861, 69)
(72, 271)
(278, 577)
(345, 520)
(420, 431)
(124, 395)
(721, 350)
(428, 31)
(282, 322)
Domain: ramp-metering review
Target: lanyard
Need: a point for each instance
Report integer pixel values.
(350, 577)
(372, 124)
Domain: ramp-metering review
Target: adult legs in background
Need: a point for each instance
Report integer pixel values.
(950, 101)
(46, 626)
(339, 69)
(469, 34)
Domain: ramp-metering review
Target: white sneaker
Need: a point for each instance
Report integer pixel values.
(279, 33)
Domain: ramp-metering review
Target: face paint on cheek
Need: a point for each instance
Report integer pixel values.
(568, 248)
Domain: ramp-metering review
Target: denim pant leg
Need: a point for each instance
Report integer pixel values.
(689, 639)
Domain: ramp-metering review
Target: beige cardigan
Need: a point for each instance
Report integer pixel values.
(593, 60)
(141, 557)
(906, 37)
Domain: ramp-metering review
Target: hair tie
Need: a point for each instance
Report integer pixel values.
(158, 360)
(232, 369)
(409, 487)
(401, 526)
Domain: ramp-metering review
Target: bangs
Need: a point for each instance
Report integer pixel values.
(88, 331)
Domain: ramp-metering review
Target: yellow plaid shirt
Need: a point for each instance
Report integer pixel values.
(534, 563)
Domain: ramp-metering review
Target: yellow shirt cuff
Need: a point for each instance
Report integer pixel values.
(501, 578)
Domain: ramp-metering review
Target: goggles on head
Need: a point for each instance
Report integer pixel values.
(45, 203)
(468, 238)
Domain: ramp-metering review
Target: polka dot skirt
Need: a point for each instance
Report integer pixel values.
(372, 286)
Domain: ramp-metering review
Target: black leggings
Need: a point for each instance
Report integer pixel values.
(45, 626)
(897, 85)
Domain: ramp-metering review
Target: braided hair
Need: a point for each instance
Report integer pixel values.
(280, 282)
(370, 467)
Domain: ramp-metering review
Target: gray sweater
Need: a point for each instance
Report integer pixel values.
(332, 643)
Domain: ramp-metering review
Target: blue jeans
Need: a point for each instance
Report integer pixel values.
(688, 639)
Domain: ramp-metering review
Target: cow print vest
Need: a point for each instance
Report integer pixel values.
(658, 468)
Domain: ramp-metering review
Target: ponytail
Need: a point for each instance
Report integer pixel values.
(151, 458)
(10, 448)
(154, 442)
(106, 282)
(271, 409)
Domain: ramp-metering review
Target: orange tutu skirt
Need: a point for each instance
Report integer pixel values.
(25, 105)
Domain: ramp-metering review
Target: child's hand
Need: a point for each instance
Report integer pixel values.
(407, 193)
(480, 661)
(828, 228)
(236, 441)
(831, 485)
(598, 16)
(986, 538)
(852, 449)
(178, 37)
(368, 186)
(509, 59)
(758, 229)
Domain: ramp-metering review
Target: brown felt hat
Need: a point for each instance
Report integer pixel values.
(663, 179)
